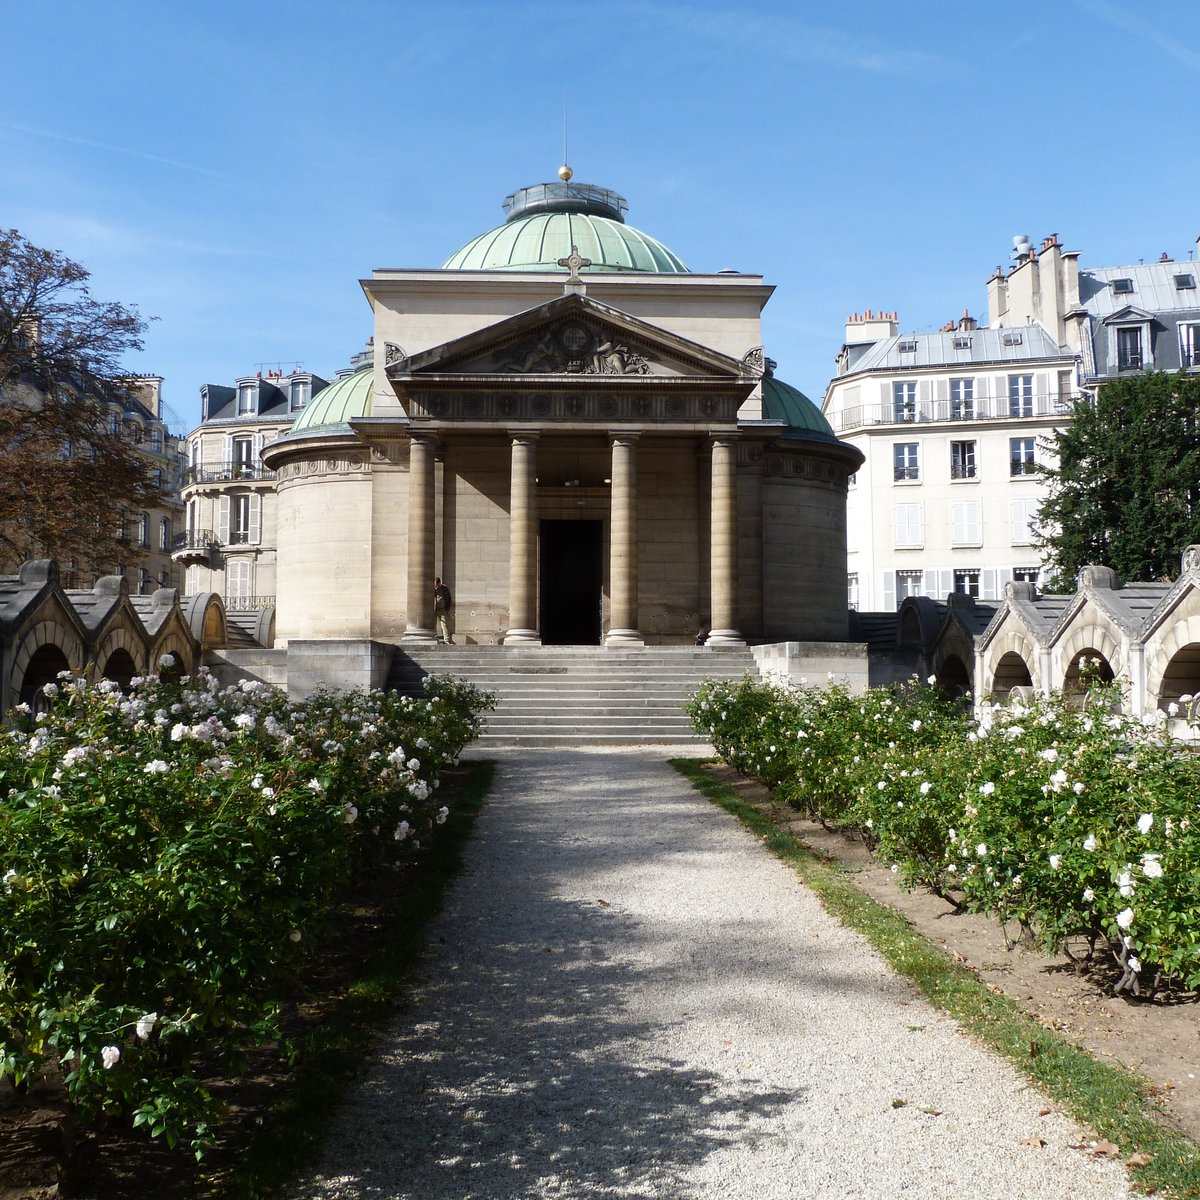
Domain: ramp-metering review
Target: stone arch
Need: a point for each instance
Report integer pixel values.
(51, 630)
(181, 652)
(43, 666)
(1010, 671)
(1180, 676)
(1016, 642)
(1073, 672)
(1171, 666)
(1089, 639)
(952, 673)
(129, 650)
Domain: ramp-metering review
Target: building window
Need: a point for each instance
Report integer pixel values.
(1020, 395)
(908, 583)
(237, 579)
(1189, 345)
(904, 401)
(962, 399)
(964, 524)
(164, 533)
(1064, 391)
(909, 530)
(1129, 349)
(145, 583)
(1122, 287)
(242, 455)
(1021, 456)
(143, 531)
(967, 582)
(1024, 521)
(904, 461)
(852, 480)
(1025, 574)
(239, 519)
(247, 395)
(299, 393)
(962, 460)
(852, 589)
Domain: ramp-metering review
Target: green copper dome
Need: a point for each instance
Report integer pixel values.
(334, 406)
(782, 402)
(546, 220)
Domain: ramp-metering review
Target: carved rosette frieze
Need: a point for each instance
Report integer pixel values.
(355, 466)
(815, 472)
(603, 409)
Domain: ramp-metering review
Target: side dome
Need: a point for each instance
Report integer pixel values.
(333, 407)
(546, 220)
(782, 402)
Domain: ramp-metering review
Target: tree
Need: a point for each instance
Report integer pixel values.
(1126, 490)
(70, 475)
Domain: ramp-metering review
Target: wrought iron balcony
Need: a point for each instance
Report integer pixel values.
(981, 408)
(248, 603)
(228, 473)
(193, 545)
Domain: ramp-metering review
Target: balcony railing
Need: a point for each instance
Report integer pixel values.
(906, 473)
(193, 543)
(982, 408)
(962, 470)
(229, 473)
(248, 603)
(1022, 466)
(1131, 361)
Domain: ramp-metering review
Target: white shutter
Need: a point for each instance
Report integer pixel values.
(238, 578)
(255, 518)
(889, 591)
(924, 395)
(907, 523)
(1024, 516)
(886, 406)
(965, 523)
(942, 391)
(988, 584)
(227, 461)
(929, 585)
(223, 521)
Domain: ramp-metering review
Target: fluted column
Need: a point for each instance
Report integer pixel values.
(623, 545)
(419, 615)
(522, 543)
(723, 545)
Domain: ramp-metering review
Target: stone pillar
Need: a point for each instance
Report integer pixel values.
(522, 543)
(723, 544)
(419, 608)
(623, 545)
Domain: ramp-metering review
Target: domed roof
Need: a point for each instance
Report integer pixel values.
(333, 407)
(546, 220)
(782, 402)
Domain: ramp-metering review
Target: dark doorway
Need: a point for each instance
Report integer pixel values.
(572, 575)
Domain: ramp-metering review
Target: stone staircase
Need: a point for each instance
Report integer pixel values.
(579, 696)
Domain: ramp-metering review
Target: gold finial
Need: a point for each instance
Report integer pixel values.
(565, 173)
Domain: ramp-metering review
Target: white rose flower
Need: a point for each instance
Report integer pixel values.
(1125, 918)
(1144, 822)
(926, 788)
(1151, 867)
(110, 1056)
(1088, 895)
(981, 850)
(1089, 842)
(145, 1025)
(1055, 861)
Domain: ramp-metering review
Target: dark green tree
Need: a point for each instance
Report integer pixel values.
(1126, 490)
(69, 470)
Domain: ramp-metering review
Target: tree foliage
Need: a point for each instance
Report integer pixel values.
(69, 471)
(1126, 490)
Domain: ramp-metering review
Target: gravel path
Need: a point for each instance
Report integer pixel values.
(630, 997)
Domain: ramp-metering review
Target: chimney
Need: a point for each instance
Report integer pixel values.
(868, 327)
(966, 322)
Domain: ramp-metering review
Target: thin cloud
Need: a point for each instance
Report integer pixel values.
(111, 149)
(1119, 18)
(787, 38)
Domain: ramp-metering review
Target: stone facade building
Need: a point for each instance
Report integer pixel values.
(582, 437)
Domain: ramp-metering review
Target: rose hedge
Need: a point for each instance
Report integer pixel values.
(170, 859)
(1065, 815)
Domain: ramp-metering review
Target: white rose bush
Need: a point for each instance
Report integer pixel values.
(170, 860)
(1063, 815)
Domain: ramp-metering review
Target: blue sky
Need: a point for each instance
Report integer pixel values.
(233, 169)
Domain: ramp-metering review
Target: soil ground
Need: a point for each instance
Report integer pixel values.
(1159, 1039)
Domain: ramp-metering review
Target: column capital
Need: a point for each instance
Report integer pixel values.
(523, 435)
(623, 438)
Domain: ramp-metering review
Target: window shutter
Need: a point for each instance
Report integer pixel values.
(988, 585)
(223, 521)
(929, 585)
(255, 518)
(924, 390)
(942, 393)
(886, 408)
(227, 461)
(889, 591)
(945, 584)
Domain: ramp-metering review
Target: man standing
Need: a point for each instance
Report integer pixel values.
(442, 604)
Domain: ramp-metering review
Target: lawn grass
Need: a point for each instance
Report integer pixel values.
(1107, 1098)
(332, 1056)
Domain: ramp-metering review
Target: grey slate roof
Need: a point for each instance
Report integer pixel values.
(985, 346)
(1153, 288)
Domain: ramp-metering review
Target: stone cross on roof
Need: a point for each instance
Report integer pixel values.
(574, 261)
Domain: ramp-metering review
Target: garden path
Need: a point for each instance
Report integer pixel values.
(627, 995)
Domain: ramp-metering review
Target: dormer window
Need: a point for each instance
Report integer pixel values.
(962, 343)
(1185, 283)
(907, 346)
(1012, 338)
(299, 394)
(1122, 287)
(247, 398)
(1129, 349)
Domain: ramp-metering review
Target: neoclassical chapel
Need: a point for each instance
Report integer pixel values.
(582, 437)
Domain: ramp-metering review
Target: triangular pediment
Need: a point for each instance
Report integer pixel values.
(572, 336)
(1130, 314)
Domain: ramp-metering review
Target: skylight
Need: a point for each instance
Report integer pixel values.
(1122, 287)
(1184, 282)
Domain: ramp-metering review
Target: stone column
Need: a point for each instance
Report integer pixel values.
(623, 545)
(419, 615)
(723, 545)
(522, 543)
